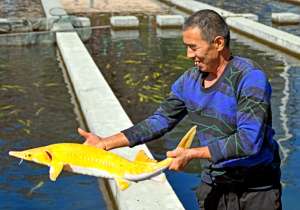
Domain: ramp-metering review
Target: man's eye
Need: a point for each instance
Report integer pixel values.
(193, 47)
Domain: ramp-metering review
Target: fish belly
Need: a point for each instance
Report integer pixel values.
(89, 171)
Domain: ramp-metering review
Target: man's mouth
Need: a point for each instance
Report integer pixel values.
(196, 63)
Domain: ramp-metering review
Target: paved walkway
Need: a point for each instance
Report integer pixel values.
(118, 6)
(21, 9)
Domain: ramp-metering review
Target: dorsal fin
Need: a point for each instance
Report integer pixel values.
(143, 157)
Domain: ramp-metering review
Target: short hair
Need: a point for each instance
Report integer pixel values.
(211, 25)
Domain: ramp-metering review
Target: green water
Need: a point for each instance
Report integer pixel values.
(36, 110)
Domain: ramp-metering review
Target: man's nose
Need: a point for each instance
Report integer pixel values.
(190, 53)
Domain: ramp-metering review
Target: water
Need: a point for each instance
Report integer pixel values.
(141, 65)
(262, 8)
(36, 110)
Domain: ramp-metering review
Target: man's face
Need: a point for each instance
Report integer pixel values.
(204, 54)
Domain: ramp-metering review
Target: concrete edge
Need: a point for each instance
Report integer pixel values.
(105, 116)
(124, 22)
(277, 38)
(60, 20)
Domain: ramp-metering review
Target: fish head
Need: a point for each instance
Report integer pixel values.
(37, 155)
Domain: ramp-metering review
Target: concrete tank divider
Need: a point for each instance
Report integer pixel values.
(285, 18)
(121, 22)
(194, 6)
(169, 20)
(277, 38)
(105, 116)
(56, 14)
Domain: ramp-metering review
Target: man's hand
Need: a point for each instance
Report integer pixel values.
(107, 143)
(181, 158)
(92, 139)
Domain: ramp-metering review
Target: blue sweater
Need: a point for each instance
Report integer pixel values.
(233, 116)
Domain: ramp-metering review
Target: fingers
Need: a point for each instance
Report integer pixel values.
(175, 166)
(83, 133)
(171, 154)
(180, 159)
(175, 153)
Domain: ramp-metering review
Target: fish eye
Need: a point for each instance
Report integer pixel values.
(29, 155)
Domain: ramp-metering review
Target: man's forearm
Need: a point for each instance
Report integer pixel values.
(115, 141)
(200, 152)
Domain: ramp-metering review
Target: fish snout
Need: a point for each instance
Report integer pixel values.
(16, 154)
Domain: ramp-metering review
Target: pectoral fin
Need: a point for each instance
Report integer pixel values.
(143, 157)
(55, 169)
(122, 183)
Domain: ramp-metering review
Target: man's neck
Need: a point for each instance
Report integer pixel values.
(213, 77)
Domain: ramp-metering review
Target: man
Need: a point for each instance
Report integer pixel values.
(228, 98)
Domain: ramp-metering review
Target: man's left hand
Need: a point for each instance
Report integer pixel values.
(181, 158)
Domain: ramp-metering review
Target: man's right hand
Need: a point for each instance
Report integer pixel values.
(92, 139)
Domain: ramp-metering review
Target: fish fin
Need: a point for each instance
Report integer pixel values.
(187, 140)
(55, 170)
(122, 183)
(143, 157)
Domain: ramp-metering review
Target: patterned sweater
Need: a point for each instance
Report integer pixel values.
(233, 116)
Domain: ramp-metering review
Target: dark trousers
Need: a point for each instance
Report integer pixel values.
(230, 197)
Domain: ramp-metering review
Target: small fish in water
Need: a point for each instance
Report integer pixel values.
(37, 186)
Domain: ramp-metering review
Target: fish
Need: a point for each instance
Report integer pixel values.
(89, 160)
(37, 186)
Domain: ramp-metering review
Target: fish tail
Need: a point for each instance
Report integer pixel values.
(187, 140)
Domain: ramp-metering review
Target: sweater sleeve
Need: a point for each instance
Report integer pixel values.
(253, 118)
(168, 114)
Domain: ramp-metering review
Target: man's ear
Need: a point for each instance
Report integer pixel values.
(219, 43)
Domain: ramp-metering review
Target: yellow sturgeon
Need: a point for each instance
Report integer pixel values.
(89, 160)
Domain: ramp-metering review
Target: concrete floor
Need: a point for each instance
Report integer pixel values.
(117, 6)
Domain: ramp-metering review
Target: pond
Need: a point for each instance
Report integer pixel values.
(36, 110)
(140, 65)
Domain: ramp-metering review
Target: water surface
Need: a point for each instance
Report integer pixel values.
(36, 110)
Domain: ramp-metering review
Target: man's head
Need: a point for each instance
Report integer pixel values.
(207, 37)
